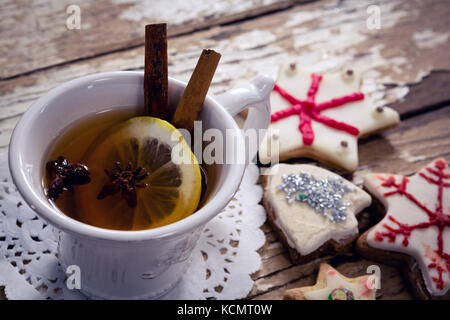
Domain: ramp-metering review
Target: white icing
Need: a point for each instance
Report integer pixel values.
(334, 279)
(326, 145)
(304, 228)
(422, 242)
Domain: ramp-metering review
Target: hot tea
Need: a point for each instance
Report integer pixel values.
(133, 183)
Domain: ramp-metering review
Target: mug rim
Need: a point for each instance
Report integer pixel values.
(65, 223)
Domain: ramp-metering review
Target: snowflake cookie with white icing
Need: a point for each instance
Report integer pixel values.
(321, 117)
(331, 285)
(312, 209)
(416, 227)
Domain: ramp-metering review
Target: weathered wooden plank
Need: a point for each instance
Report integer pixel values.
(315, 35)
(403, 150)
(272, 247)
(393, 286)
(34, 34)
(431, 93)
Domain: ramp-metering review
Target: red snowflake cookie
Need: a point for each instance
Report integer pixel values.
(417, 221)
(321, 117)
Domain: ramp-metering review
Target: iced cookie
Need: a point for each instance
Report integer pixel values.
(331, 285)
(416, 227)
(312, 209)
(321, 117)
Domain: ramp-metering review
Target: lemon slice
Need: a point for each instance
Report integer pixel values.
(172, 192)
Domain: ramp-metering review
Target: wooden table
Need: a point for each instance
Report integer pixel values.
(405, 65)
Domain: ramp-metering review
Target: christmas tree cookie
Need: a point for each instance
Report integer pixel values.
(416, 227)
(312, 209)
(321, 117)
(331, 285)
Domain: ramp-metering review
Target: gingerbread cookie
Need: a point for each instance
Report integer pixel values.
(321, 117)
(331, 285)
(416, 227)
(312, 209)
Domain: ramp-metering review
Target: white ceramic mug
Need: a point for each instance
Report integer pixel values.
(126, 264)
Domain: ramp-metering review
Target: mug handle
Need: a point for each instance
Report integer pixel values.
(254, 96)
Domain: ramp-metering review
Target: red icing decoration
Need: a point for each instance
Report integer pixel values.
(437, 218)
(367, 284)
(308, 110)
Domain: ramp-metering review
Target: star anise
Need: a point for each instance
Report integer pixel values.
(124, 180)
(65, 175)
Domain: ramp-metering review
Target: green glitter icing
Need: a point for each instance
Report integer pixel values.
(302, 196)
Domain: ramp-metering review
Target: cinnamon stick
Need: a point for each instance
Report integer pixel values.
(155, 71)
(191, 101)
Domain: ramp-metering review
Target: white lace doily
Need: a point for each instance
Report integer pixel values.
(220, 266)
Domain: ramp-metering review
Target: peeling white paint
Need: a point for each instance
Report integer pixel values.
(178, 11)
(274, 245)
(263, 286)
(429, 39)
(405, 155)
(253, 39)
(301, 17)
